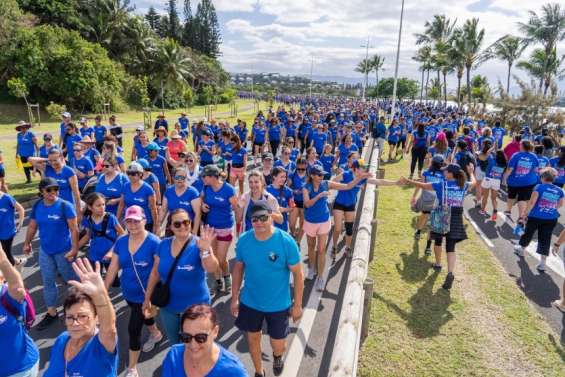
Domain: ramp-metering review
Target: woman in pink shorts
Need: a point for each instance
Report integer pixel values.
(238, 162)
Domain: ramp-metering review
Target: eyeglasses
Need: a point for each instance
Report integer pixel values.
(300, 169)
(180, 177)
(107, 165)
(51, 189)
(187, 338)
(77, 150)
(286, 153)
(132, 173)
(178, 224)
(189, 161)
(51, 162)
(262, 218)
(80, 318)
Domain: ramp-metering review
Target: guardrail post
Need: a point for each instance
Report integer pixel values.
(368, 285)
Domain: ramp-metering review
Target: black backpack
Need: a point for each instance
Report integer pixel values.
(103, 228)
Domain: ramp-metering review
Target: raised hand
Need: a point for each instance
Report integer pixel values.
(207, 235)
(91, 282)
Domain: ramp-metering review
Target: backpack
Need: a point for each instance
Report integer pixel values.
(426, 202)
(103, 228)
(29, 315)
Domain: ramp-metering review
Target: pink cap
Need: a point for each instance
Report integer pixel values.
(135, 213)
(441, 136)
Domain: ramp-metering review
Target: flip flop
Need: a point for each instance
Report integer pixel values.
(558, 305)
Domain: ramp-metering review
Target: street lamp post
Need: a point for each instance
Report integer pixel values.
(392, 110)
(311, 72)
(366, 81)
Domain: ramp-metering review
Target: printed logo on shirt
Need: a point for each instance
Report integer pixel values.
(3, 319)
(142, 264)
(524, 167)
(184, 203)
(140, 200)
(219, 198)
(4, 210)
(273, 256)
(111, 189)
(53, 217)
(548, 202)
(186, 267)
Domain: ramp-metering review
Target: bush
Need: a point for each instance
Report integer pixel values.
(55, 110)
(135, 91)
(227, 95)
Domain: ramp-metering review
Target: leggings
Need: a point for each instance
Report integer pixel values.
(274, 146)
(27, 169)
(418, 155)
(7, 246)
(544, 229)
(135, 325)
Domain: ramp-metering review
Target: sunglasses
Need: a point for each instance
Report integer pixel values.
(49, 190)
(51, 162)
(178, 224)
(300, 169)
(286, 153)
(187, 338)
(132, 173)
(107, 165)
(108, 145)
(77, 150)
(262, 218)
(179, 177)
(189, 161)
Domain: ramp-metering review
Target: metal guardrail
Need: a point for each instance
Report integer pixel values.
(354, 316)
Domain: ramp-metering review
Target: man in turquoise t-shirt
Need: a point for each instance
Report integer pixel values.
(265, 257)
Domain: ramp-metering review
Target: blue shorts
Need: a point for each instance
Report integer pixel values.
(251, 320)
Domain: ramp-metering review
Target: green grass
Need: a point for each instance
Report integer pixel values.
(16, 179)
(484, 327)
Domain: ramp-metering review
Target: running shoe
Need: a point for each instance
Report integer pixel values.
(320, 284)
(508, 215)
(519, 250)
(428, 251)
(334, 254)
(348, 252)
(436, 267)
(278, 365)
(219, 286)
(311, 273)
(227, 284)
(132, 372)
(47, 321)
(264, 374)
(494, 216)
(448, 281)
(20, 263)
(482, 212)
(151, 342)
(417, 235)
(541, 267)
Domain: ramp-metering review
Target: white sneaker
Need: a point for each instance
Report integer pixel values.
(151, 342)
(132, 372)
(311, 274)
(518, 250)
(20, 263)
(540, 267)
(320, 284)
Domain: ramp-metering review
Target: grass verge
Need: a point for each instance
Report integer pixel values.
(483, 327)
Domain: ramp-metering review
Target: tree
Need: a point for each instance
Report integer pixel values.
(544, 68)
(188, 30)
(364, 67)
(508, 49)
(377, 63)
(153, 18)
(469, 46)
(480, 89)
(406, 88)
(424, 57)
(547, 29)
(55, 12)
(174, 21)
(457, 59)
(207, 29)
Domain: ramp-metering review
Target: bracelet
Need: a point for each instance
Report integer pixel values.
(205, 254)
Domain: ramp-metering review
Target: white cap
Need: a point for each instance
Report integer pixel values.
(66, 114)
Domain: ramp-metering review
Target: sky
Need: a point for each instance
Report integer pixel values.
(283, 35)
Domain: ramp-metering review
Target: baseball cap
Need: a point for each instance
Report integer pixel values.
(83, 120)
(139, 128)
(66, 114)
(135, 167)
(452, 168)
(47, 182)
(152, 147)
(210, 171)
(356, 164)
(438, 158)
(144, 163)
(259, 208)
(317, 170)
(134, 213)
(267, 156)
(47, 136)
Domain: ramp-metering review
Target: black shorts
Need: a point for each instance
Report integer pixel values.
(256, 144)
(520, 193)
(2, 172)
(449, 242)
(393, 143)
(344, 208)
(251, 320)
(299, 204)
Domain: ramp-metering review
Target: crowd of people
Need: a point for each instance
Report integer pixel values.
(157, 226)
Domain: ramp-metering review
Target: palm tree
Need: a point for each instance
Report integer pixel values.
(457, 60)
(171, 67)
(509, 49)
(547, 29)
(469, 45)
(544, 68)
(424, 57)
(377, 63)
(364, 67)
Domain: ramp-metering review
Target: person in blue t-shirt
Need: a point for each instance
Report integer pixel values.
(100, 132)
(296, 182)
(184, 122)
(496, 165)
(379, 134)
(8, 227)
(498, 134)
(181, 195)
(82, 166)
(199, 354)
(206, 149)
(19, 356)
(138, 192)
(318, 139)
(558, 163)
(135, 254)
(89, 347)
(345, 148)
(394, 132)
(241, 131)
(70, 139)
(259, 136)
(543, 213)
(266, 251)
(219, 202)
(285, 160)
(418, 144)
(85, 129)
(56, 221)
(47, 145)
(283, 194)
(110, 184)
(159, 167)
(26, 147)
(317, 222)
(521, 176)
(327, 158)
(275, 130)
(187, 285)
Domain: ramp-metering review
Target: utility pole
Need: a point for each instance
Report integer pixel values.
(392, 110)
(311, 71)
(366, 81)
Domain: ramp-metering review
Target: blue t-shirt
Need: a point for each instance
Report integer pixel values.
(92, 154)
(112, 190)
(19, 352)
(290, 167)
(221, 214)
(433, 176)
(225, 150)
(554, 162)
(150, 179)
(498, 134)
(319, 212)
(494, 171)
(188, 282)
(44, 151)
(275, 132)
(183, 201)
(140, 198)
(524, 167)
(546, 207)
(93, 360)
(70, 141)
(266, 275)
(62, 178)
(344, 152)
(259, 134)
(140, 151)
(432, 151)
(237, 157)
(227, 365)
(158, 168)
(319, 140)
(297, 183)
(241, 132)
(100, 244)
(163, 144)
(88, 131)
(327, 161)
(83, 165)
(25, 146)
(99, 133)
(394, 134)
(143, 259)
(7, 217)
(184, 123)
(206, 156)
(455, 194)
(283, 196)
(347, 197)
(542, 162)
(54, 233)
(420, 140)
